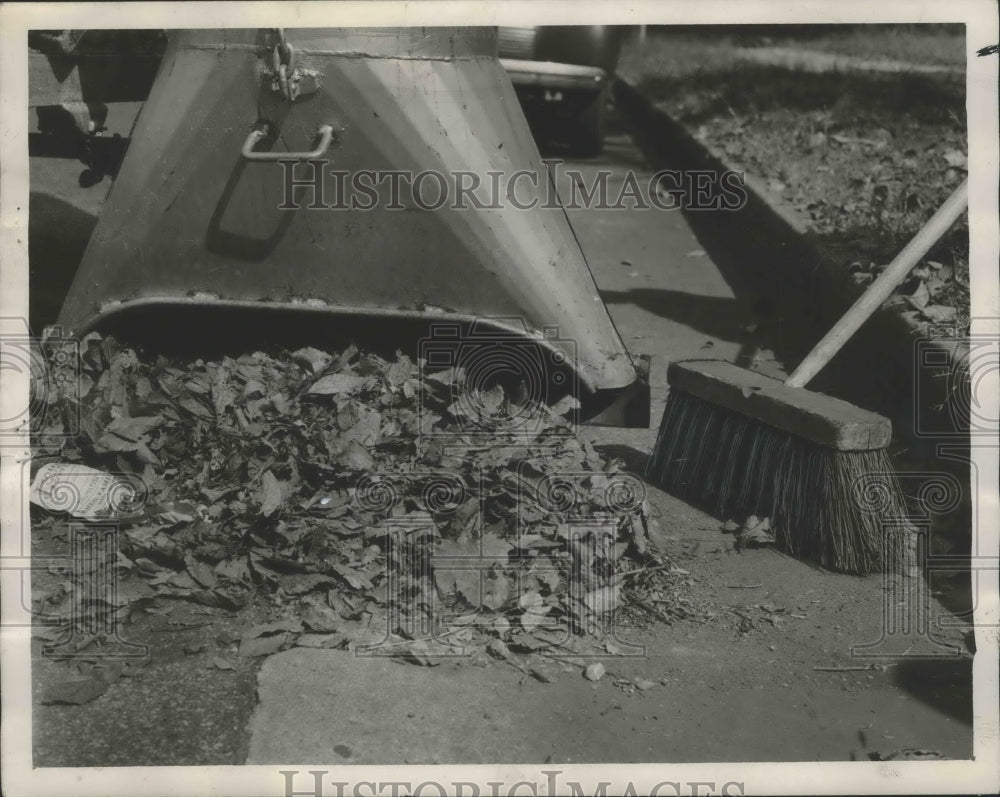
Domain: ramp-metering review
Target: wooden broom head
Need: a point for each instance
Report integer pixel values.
(822, 419)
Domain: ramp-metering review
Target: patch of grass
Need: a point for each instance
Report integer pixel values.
(684, 50)
(933, 45)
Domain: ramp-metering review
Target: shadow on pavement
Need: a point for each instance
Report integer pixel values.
(635, 460)
(944, 685)
(760, 256)
(58, 234)
(716, 316)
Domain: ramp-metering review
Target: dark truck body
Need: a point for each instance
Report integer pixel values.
(562, 75)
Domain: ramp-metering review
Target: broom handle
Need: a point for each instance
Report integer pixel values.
(880, 289)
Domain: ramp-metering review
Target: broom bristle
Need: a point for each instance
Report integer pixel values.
(831, 507)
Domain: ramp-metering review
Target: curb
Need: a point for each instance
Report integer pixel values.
(771, 256)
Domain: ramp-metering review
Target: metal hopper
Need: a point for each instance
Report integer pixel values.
(228, 196)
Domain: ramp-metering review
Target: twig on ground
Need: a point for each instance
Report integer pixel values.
(642, 570)
(650, 609)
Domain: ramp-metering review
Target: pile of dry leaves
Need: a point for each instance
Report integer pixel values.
(379, 506)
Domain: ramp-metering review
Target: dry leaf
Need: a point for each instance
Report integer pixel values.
(337, 384)
(754, 532)
(939, 313)
(603, 600)
(323, 641)
(262, 646)
(355, 457)
(319, 618)
(565, 405)
(271, 494)
(956, 159)
(75, 692)
(313, 359)
(496, 590)
(920, 296)
(200, 572)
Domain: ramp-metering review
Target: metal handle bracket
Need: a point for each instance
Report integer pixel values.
(325, 139)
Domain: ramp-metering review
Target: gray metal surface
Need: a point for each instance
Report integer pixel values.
(190, 221)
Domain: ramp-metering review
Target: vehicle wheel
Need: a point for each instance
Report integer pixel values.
(588, 138)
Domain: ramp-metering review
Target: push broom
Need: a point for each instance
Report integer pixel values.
(740, 443)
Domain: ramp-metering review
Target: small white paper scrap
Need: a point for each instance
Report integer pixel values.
(81, 491)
